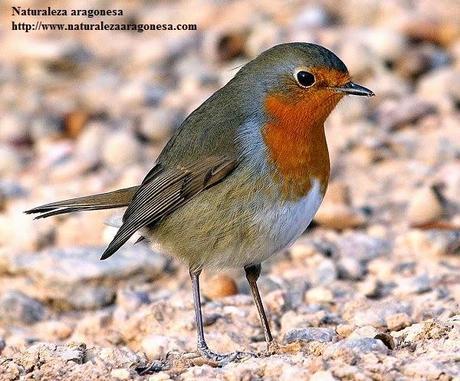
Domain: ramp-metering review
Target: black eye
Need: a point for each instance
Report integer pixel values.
(305, 78)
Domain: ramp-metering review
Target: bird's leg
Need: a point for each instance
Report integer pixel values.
(252, 274)
(202, 347)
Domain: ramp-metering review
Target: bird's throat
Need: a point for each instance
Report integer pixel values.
(296, 143)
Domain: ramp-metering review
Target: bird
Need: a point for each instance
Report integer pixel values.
(243, 175)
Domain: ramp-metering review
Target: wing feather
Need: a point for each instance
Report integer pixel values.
(163, 191)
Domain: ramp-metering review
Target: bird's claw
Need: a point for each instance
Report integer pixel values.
(154, 367)
(221, 359)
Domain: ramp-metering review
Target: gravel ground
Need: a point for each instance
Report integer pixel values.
(370, 292)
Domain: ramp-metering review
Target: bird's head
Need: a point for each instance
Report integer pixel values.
(304, 79)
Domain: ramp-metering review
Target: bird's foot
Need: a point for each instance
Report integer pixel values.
(204, 356)
(154, 367)
(222, 359)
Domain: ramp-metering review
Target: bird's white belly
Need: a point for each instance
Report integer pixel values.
(279, 224)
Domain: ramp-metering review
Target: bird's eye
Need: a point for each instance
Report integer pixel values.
(304, 78)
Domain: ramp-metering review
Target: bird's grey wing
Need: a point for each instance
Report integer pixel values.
(166, 189)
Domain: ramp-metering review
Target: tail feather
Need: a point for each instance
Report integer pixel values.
(115, 199)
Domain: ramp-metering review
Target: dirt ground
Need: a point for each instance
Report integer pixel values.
(371, 290)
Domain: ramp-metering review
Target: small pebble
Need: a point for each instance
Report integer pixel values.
(350, 268)
(120, 149)
(74, 122)
(219, 286)
(414, 285)
(326, 272)
(120, 374)
(131, 300)
(362, 332)
(322, 335)
(430, 244)
(13, 129)
(345, 330)
(16, 307)
(319, 295)
(372, 313)
(55, 329)
(158, 124)
(323, 375)
(9, 160)
(398, 321)
(425, 206)
(339, 216)
(302, 250)
(160, 376)
(357, 346)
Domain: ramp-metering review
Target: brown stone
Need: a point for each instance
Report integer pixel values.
(219, 286)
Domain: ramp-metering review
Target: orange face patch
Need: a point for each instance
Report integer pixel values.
(295, 138)
(329, 77)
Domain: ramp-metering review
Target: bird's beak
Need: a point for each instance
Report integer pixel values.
(351, 88)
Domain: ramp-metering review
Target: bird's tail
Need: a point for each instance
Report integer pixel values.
(115, 199)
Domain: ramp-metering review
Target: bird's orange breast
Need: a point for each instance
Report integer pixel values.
(296, 142)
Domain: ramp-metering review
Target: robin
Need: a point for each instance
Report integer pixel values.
(242, 177)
